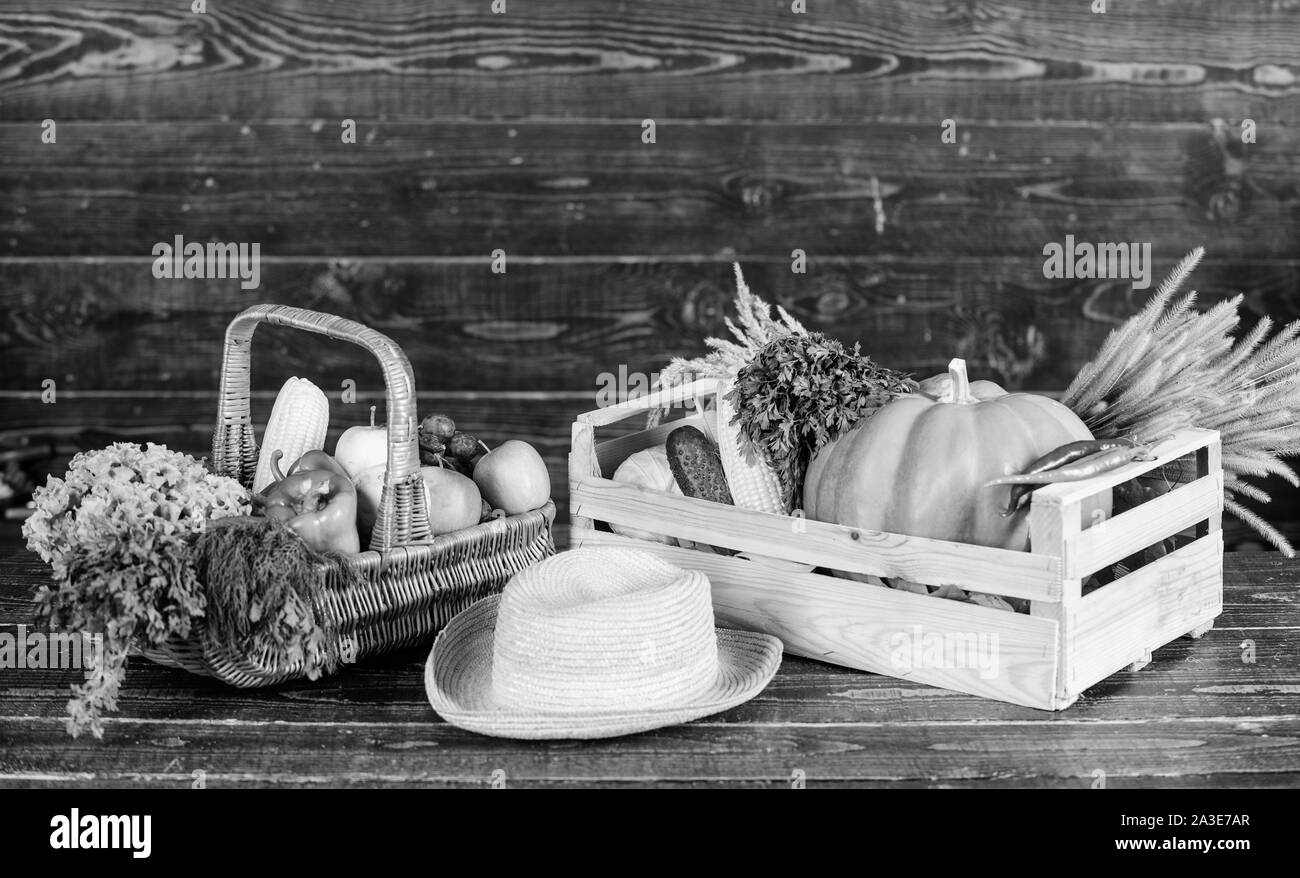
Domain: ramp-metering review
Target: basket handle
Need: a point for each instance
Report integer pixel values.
(402, 516)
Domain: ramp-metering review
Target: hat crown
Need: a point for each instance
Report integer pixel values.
(603, 629)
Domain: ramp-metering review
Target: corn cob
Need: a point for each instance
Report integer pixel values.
(297, 425)
(753, 485)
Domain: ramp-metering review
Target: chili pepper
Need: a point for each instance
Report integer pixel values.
(1083, 469)
(320, 505)
(1057, 457)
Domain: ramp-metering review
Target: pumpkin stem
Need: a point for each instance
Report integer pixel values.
(960, 390)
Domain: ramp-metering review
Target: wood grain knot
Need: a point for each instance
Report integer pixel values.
(704, 307)
(1230, 202)
(515, 330)
(756, 195)
(42, 319)
(1217, 173)
(833, 303)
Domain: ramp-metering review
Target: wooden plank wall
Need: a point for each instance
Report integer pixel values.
(522, 132)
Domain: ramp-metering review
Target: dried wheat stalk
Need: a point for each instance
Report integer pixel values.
(756, 328)
(1170, 366)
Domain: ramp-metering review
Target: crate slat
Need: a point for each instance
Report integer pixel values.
(672, 396)
(612, 452)
(1125, 621)
(933, 562)
(1209, 461)
(582, 463)
(1144, 525)
(877, 629)
(1054, 530)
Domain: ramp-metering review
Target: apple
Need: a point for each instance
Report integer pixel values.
(360, 448)
(370, 489)
(513, 477)
(453, 500)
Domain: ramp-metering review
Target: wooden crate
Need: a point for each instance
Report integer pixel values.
(1044, 659)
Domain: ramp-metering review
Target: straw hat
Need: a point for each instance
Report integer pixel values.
(594, 643)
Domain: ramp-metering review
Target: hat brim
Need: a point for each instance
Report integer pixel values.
(458, 680)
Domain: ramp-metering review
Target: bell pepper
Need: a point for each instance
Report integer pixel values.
(309, 461)
(317, 501)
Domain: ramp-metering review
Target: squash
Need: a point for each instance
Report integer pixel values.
(940, 385)
(648, 468)
(918, 465)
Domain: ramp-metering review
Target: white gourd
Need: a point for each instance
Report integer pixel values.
(648, 469)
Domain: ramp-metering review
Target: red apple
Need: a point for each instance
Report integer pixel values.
(453, 500)
(513, 477)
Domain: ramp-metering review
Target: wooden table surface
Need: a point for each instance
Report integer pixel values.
(1199, 715)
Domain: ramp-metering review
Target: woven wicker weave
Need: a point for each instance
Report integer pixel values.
(413, 583)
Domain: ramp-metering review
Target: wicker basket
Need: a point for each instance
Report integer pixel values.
(414, 583)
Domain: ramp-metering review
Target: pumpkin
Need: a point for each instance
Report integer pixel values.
(918, 465)
(940, 385)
